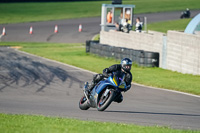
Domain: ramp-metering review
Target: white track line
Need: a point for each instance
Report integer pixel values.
(174, 91)
(183, 93)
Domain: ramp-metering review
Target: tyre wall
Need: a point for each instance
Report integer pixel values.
(140, 57)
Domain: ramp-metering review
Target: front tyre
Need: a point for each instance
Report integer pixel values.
(105, 101)
(83, 104)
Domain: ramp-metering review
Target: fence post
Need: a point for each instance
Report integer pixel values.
(164, 53)
(145, 24)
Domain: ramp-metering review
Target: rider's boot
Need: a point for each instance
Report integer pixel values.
(89, 88)
(86, 88)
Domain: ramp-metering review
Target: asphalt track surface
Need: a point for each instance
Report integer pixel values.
(34, 85)
(68, 29)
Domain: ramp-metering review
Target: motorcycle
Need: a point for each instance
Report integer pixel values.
(104, 93)
(185, 14)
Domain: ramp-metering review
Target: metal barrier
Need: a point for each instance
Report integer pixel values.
(140, 57)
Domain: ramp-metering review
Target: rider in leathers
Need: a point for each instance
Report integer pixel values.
(124, 67)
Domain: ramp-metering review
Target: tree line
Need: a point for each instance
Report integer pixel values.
(15, 1)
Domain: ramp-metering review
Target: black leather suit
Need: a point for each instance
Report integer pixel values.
(107, 71)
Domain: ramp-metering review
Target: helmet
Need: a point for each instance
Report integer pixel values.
(126, 64)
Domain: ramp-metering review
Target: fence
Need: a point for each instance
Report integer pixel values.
(183, 52)
(152, 42)
(178, 51)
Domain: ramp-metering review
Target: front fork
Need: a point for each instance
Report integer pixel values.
(86, 97)
(84, 91)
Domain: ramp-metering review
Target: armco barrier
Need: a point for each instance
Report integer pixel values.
(140, 57)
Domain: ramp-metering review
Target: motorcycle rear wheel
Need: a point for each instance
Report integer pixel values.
(83, 104)
(105, 101)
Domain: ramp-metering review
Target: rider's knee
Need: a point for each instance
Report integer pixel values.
(119, 99)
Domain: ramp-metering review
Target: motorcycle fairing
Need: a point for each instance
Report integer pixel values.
(97, 89)
(102, 85)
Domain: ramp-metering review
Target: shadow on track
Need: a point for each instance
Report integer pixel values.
(16, 69)
(154, 113)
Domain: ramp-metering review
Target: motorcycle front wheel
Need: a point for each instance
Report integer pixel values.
(105, 100)
(83, 104)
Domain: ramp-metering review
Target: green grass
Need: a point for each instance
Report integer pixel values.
(178, 25)
(74, 54)
(150, 6)
(29, 12)
(96, 37)
(43, 124)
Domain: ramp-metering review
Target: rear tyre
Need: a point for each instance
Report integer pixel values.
(105, 101)
(83, 104)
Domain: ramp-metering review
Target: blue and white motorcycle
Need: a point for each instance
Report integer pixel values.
(104, 93)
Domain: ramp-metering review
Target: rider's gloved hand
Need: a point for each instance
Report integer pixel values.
(105, 72)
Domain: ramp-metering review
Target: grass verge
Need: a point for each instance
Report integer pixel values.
(178, 25)
(31, 12)
(96, 37)
(42, 124)
(74, 54)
